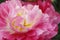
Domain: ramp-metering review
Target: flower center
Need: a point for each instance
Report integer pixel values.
(20, 24)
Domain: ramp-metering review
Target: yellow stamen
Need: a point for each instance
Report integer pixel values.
(27, 25)
(19, 14)
(21, 29)
(13, 22)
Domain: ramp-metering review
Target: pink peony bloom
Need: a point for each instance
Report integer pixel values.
(27, 22)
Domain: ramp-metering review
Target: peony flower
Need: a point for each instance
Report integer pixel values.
(27, 22)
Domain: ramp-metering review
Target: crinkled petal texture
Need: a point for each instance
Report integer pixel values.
(27, 22)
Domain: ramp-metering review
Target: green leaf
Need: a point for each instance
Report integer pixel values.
(56, 4)
(2, 1)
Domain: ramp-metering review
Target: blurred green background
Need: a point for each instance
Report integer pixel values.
(56, 4)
